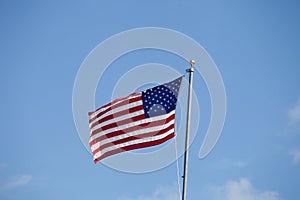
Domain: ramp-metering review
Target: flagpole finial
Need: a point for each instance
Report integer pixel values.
(192, 63)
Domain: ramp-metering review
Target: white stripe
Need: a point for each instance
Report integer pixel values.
(117, 119)
(136, 123)
(133, 133)
(118, 109)
(117, 102)
(138, 141)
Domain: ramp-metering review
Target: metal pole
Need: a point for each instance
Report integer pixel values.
(187, 137)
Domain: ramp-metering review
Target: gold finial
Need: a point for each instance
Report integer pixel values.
(192, 63)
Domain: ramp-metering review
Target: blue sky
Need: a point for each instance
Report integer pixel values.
(255, 45)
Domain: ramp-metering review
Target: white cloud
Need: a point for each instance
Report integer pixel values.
(232, 190)
(241, 190)
(294, 113)
(227, 163)
(161, 193)
(296, 156)
(294, 120)
(17, 181)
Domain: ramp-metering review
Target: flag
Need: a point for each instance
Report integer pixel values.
(139, 120)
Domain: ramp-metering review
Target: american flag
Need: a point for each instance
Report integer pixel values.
(141, 119)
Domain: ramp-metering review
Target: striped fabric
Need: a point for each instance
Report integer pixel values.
(141, 119)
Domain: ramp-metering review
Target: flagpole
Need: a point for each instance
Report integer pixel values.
(187, 137)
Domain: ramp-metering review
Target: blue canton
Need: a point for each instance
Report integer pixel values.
(161, 99)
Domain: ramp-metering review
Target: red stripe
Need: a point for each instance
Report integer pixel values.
(128, 101)
(135, 146)
(134, 128)
(131, 138)
(114, 102)
(117, 114)
(118, 123)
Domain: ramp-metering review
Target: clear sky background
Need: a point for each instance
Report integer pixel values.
(255, 45)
